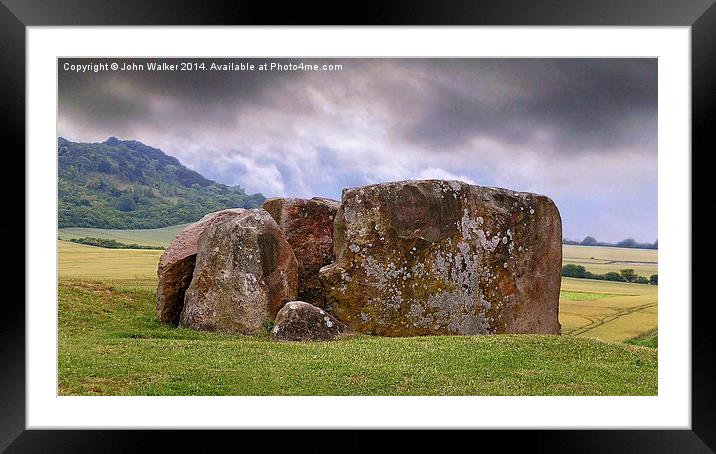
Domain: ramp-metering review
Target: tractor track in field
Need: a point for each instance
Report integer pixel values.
(603, 321)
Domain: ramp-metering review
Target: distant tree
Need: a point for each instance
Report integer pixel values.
(654, 279)
(99, 184)
(613, 276)
(629, 242)
(589, 241)
(641, 280)
(104, 166)
(126, 203)
(571, 270)
(628, 275)
(111, 244)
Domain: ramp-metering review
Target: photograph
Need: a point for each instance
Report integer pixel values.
(353, 226)
(410, 217)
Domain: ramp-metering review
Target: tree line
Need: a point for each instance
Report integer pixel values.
(625, 275)
(111, 244)
(628, 243)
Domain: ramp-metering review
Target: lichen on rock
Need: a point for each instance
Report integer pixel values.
(301, 321)
(445, 257)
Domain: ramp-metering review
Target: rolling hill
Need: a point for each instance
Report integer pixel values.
(124, 184)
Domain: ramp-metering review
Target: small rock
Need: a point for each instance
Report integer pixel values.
(301, 321)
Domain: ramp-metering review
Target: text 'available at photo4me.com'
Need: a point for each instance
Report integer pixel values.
(197, 65)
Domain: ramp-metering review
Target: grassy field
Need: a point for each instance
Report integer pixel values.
(110, 343)
(621, 311)
(129, 267)
(149, 237)
(649, 340)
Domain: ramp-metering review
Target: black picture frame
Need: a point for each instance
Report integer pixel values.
(700, 15)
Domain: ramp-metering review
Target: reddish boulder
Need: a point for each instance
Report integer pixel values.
(245, 272)
(445, 257)
(308, 228)
(176, 265)
(300, 321)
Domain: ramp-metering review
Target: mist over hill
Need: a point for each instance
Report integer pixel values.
(124, 184)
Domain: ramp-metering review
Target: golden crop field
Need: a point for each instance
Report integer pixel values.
(600, 260)
(131, 267)
(612, 311)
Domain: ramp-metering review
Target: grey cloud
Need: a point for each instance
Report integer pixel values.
(581, 104)
(578, 104)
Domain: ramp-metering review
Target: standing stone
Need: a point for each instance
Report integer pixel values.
(300, 321)
(445, 257)
(308, 228)
(176, 265)
(245, 271)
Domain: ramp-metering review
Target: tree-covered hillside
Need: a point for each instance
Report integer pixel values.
(124, 184)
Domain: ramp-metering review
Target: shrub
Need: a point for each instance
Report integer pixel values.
(629, 275)
(613, 276)
(571, 270)
(111, 244)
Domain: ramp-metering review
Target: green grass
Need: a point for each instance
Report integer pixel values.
(583, 296)
(146, 237)
(650, 340)
(111, 344)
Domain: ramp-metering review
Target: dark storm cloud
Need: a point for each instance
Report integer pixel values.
(576, 104)
(556, 126)
(129, 98)
(581, 104)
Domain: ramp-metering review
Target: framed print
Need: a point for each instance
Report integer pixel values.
(374, 221)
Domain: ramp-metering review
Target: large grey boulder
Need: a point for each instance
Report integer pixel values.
(301, 321)
(308, 228)
(245, 271)
(176, 265)
(445, 257)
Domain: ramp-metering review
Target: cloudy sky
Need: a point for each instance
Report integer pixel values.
(581, 131)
